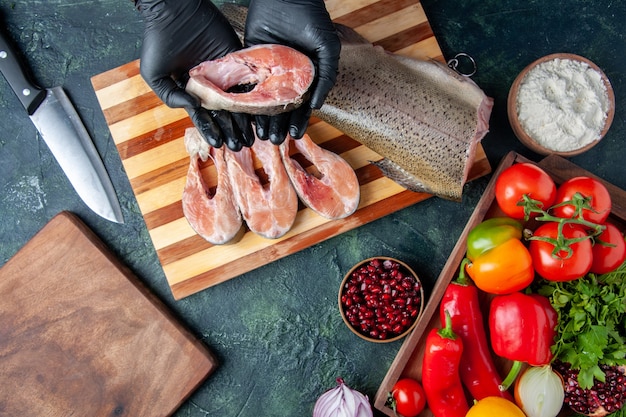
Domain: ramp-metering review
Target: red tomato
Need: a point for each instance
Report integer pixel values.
(607, 258)
(600, 199)
(520, 179)
(409, 397)
(560, 267)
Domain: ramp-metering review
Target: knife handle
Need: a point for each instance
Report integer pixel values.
(29, 94)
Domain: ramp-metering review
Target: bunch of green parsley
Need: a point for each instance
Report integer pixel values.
(592, 322)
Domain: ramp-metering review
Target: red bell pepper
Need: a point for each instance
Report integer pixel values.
(440, 373)
(477, 369)
(523, 328)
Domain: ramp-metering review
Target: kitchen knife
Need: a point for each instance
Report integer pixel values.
(59, 125)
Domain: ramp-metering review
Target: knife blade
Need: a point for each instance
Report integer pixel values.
(61, 128)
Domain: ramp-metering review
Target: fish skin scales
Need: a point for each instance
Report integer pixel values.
(417, 114)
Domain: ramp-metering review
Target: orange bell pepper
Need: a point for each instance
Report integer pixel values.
(497, 260)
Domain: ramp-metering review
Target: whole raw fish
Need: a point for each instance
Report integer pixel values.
(331, 189)
(213, 215)
(268, 79)
(269, 207)
(422, 117)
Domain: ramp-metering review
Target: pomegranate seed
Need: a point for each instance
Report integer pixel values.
(380, 299)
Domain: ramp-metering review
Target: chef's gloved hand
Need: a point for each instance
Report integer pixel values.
(306, 26)
(179, 34)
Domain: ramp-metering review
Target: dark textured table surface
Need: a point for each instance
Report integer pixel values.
(276, 331)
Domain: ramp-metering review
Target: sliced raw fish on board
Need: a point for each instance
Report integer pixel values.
(269, 206)
(331, 189)
(149, 138)
(273, 79)
(214, 215)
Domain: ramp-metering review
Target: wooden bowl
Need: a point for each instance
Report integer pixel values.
(410, 313)
(532, 142)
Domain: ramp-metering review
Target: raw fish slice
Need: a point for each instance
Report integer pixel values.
(280, 75)
(215, 216)
(269, 210)
(335, 193)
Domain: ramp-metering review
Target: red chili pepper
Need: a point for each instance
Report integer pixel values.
(523, 328)
(477, 369)
(440, 373)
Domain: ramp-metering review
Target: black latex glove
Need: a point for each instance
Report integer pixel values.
(179, 34)
(306, 26)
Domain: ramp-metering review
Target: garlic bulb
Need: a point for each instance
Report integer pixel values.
(539, 392)
(342, 401)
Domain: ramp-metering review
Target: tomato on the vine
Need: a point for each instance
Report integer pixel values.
(523, 179)
(561, 266)
(609, 250)
(594, 190)
(407, 397)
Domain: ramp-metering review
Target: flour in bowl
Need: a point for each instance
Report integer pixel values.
(563, 104)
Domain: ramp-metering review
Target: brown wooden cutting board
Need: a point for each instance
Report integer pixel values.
(80, 335)
(149, 138)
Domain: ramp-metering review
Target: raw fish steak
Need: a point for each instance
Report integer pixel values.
(269, 79)
(269, 208)
(331, 189)
(213, 215)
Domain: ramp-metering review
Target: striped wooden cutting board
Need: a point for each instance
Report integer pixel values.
(149, 138)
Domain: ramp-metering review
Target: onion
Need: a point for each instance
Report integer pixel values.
(539, 392)
(342, 401)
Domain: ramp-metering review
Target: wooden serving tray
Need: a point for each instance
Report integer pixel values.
(149, 138)
(408, 361)
(80, 335)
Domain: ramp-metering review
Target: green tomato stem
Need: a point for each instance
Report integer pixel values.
(530, 206)
(560, 243)
(391, 403)
(578, 201)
